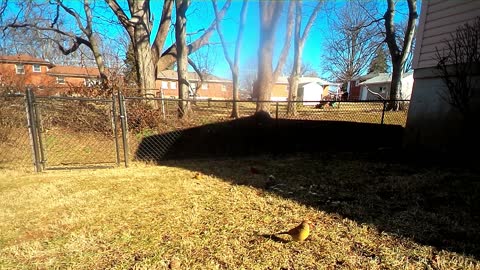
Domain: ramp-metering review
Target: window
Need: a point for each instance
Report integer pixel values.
(60, 80)
(164, 85)
(205, 86)
(173, 85)
(91, 82)
(224, 88)
(20, 69)
(357, 82)
(37, 68)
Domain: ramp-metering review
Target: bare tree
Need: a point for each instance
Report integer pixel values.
(398, 52)
(233, 63)
(355, 38)
(306, 69)
(458, 60)
(270, 13)
(84, 22)
(139, 27)
(299, 43)
(182, 55)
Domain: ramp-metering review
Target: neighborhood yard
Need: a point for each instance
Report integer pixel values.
(369, 214)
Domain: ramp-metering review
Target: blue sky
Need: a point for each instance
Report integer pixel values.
(200, 15)
(313, 46)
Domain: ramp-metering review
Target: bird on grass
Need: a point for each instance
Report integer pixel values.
(301, 232)
(197, 176)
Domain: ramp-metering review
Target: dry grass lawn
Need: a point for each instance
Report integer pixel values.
(367, 215)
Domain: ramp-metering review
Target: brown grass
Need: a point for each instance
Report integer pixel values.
(155, 217)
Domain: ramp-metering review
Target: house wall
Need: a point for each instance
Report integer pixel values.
(376, 88)
(9, 77)
(215, 90)
(354, 93)
(279, 92)
(312, 92)
(432, 123)
(444, 17)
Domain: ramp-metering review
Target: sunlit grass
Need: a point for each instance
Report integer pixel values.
(153, 217)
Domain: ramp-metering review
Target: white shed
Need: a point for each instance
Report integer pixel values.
(310, 92)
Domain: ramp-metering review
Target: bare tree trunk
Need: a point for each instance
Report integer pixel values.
(145, 64)
(94, 44)
(169, 56)
(395, 88)
(266, 76)
(182, 55)
(233, 64)
(297, 59)
(141, 34)
(398, 55)
(298, 52)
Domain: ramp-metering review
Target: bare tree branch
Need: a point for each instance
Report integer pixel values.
(286, 45)
(163, 27)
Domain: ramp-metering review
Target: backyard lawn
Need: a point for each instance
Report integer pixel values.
(368, 215)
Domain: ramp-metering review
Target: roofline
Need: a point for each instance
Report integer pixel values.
(26, 62)
(73, 75)
(195, 80)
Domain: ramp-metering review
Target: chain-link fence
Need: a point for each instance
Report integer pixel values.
(154, 125)
(76, 131)
(15, 147)
(71, 131)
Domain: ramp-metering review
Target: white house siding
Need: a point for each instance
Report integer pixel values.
(438, 19)
(432, 122)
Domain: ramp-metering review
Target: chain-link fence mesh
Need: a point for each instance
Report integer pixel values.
(15, 147)
(85, 131)
(154, 124)
(75, 131)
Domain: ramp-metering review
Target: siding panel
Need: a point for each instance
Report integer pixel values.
(442, 18)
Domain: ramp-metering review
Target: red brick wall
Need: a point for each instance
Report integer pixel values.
(9, 77)
(213, 90)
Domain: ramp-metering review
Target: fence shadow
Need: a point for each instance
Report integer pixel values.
(260, 134)
(355, 170)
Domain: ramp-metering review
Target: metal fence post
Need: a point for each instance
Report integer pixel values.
(123, 121)
(383, 111)
(40, 131)
(276, 110)
(33, 130)
(115, 129)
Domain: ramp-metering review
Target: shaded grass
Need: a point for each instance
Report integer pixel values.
(155, 217)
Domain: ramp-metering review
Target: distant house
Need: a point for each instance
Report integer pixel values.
(309, 89)
(20, 71)
(212, 87)
(75, 76)
(353, 86)
(378, 87)
(432, 122)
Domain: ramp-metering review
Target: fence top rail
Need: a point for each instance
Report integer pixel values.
(12, 95)
(74, 98)
(264, 101)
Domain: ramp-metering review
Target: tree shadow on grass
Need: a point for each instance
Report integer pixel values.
(366, 178)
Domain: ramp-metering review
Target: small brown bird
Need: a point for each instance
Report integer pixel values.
(197, 176)
(301, 232)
